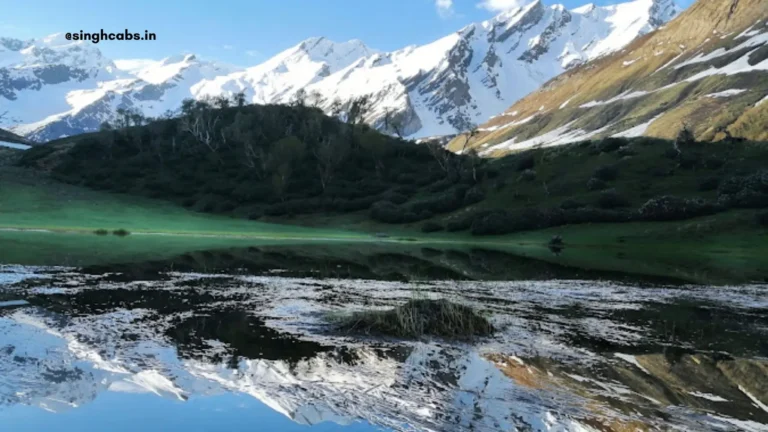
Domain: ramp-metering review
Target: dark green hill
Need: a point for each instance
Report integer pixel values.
(280, 163)
(11, 137)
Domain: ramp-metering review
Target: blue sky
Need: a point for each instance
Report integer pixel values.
(245, 32)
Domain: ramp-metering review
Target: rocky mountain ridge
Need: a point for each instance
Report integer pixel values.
(54, 88)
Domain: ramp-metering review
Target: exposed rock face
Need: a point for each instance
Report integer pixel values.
(707, 69)
(55, 87)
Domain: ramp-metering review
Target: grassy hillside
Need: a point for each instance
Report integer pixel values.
(705, 69)
(31, 201)
(294, 165)
(725, 247)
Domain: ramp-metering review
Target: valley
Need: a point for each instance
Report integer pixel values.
(554, 219)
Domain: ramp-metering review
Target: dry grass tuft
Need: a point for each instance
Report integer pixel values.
(418, 318)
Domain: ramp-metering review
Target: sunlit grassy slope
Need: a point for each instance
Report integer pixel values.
(724, 247)
(31, 202)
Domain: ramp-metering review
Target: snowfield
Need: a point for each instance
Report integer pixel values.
(436, 89)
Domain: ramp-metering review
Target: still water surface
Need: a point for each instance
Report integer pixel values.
(186, 349)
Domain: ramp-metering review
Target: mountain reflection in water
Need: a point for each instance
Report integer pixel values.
(232, 351)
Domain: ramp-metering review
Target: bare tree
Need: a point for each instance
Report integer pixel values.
(377, 148)
(255, 158)
(221, 101)
(684, 137)
(358, 109)
(239, 99)
(202, 123)
(330, 152)
(137, 119)
(471, 153)
(280, 180)
(394, 121)
(441, 155)
(337, 107)
(316, 99)
(299, 99)
(245, 129)
(282, 158)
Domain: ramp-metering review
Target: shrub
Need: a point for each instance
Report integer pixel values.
(661, 172)
(101, 232)
(394, 197)
(418, 318)
(120, 232)
(611, 199)
(504, 222)
(714, 163)
(497, 222)
(688, 161)
(225, 207)
(430, 227)
(464, 222)
(671, 153)
(684, 137)
(667, 208)
(749, 191)
(528, 175)
(608, 145)
(762, 219)
(355, 204)
(387, 212)
(474, 196)
(448, 201)
(626, 151)
(525, 161)
(571, 204)
(596, 184)
(709, 184)
(596, 215)
(440, 185)
(606, 173)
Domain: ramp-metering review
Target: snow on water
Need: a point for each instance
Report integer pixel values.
(14, 145)
(11, 303)
(425, 385)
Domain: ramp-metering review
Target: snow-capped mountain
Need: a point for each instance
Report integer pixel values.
(706, 69)
(434, 89)
(89, 93)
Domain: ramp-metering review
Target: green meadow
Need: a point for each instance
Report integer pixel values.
(44, 222)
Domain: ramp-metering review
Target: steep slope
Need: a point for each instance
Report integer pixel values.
(9, 139)
(153, 90)
(464, 78)
(436, 89)
(37, 77)
(707, 69)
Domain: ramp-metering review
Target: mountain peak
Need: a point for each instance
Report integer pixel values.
(457, 80)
